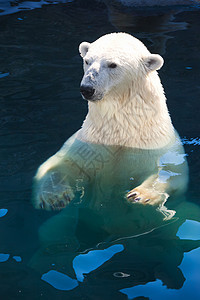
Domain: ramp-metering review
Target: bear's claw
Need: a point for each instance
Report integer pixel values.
(131, 194)
(145, 196)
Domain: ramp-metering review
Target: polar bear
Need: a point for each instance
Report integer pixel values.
(127, 152)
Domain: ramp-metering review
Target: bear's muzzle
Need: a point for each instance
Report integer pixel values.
(87, 91)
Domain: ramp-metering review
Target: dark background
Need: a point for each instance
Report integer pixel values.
(40, 72)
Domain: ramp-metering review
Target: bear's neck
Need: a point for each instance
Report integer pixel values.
(131, 120)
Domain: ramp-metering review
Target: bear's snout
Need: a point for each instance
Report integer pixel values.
(87, 91)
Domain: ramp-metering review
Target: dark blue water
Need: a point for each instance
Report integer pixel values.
(40, 72)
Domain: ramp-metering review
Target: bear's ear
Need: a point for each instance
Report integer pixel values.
(153, 62)
(83, 48)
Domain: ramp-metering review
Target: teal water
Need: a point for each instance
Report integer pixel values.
(40, 72)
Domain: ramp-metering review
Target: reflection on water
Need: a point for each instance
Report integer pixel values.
(189, 230)
(154, 25)
(143, 262)
(152, 290)
(85, 263)
(59, 280)
(14, 6)
(4, 257)
(40, 71)
(3, 212)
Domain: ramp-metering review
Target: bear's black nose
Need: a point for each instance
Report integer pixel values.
(87, 91)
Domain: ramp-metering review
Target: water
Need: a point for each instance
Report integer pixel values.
(40, 71)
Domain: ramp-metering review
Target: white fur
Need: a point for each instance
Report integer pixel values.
(130, 107)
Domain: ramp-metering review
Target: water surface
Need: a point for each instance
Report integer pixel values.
(40, 71)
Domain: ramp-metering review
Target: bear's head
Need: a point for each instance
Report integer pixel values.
(114, 64)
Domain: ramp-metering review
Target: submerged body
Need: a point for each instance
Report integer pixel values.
(96, 178)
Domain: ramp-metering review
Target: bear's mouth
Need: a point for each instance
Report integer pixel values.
(93, 99)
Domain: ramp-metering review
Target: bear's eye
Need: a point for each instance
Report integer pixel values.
(86, 62)
(112, 65)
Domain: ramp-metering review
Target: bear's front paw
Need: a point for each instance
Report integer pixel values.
(147, 196)
(52, 192)
(52, 201)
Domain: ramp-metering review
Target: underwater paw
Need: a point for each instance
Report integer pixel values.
(146, 196)
(50, 201)
(52, 192)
